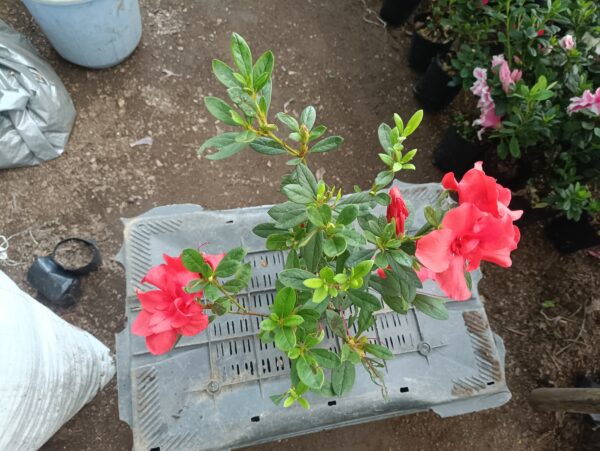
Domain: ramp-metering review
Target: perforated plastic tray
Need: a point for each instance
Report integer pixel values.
(212, 391)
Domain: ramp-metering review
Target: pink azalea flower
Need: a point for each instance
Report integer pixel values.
(467, 237)
(587, 101)
(397, 210)
(567, 42)
(488, 117)
(481, 190)
(507, 78)
(170, 311)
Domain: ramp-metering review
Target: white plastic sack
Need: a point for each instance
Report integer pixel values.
(49, 369)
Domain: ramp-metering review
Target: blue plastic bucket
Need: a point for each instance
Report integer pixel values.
(90, 33)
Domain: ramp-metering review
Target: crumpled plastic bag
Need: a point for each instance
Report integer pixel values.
(36, 111)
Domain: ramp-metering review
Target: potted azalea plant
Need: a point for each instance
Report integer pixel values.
(432, 35)
(348, 255)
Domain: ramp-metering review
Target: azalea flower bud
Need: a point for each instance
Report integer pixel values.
(397, 210)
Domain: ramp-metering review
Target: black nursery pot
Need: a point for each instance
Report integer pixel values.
(423, 50)
(396, 12)
(456, 154)
(432, 90)
(512, 173)
(569, 236)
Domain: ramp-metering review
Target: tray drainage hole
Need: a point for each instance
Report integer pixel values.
(403, 389)
(155, 449)
(255, 419)
(490, 383)
(229, 222)
(332, 403)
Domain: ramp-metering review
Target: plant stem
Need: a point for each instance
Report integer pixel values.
(242, 310)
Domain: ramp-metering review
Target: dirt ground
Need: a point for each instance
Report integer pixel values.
(332, 54)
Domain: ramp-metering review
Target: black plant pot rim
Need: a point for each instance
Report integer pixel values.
(418, 30)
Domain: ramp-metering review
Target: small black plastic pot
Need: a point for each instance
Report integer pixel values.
(569, 236)
(432, 90)
(396, 12)
(456, 154)
(512, 173)
(422, 50)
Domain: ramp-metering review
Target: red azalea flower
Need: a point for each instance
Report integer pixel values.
(170, 311)
(397, 210)
(541, 32)
(482, 191)
(485, 2)
(467, 237)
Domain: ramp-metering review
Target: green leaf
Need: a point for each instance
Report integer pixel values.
(308, 117)
(358, 256)
(218, 141)
(317, 132)
(230, 263)
(363, 268)
(195, 286)
(288, 121)
(320, 294)
(313, 378)
(288, 214)
(356, 198)
(413, 123)
(285, 301)
(246, 137)
(295, 278)
(243, 100)
(219, 109)
(268, 325)
(384, 178)
(347, 215)
(224, 73)
(293, 321)
(384, 136)
(194, 261)
(306, 178)
(285, 339)
(241, 54)
(227, 151)
(266, 229)
(298, 194)
(314, 216)
(242, 277)
(334, 246)
(327, 144)
(221, 306)
(398, 122)
(313, 251)
(379, 351)
(336, 323)
(267, 146)
(397, 304)
(278, 241)
(261, 72)
(513, 147)
(342, 378)
(326, 358)
(431, 306)
(364, 300)
(313, 283)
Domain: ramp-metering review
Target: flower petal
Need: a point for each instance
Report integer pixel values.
(452, 281)
(433, 250)
(141, 325)
(161, 343)
(153, 300)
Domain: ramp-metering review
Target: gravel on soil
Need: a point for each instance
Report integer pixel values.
(334, 55)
